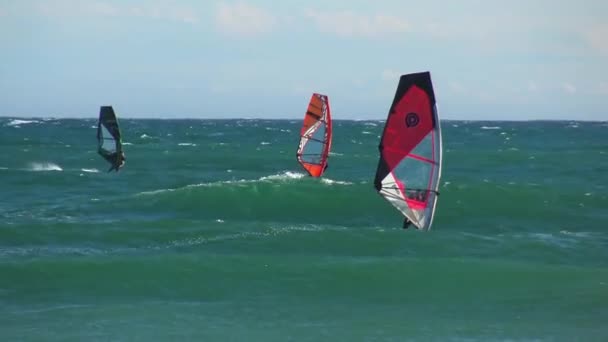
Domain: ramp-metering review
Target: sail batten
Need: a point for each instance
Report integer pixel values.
(409, 168)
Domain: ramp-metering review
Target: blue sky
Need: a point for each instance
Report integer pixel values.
(489, 60)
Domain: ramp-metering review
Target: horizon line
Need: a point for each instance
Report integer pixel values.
(286, 119)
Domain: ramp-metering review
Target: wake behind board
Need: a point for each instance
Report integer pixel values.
(409, 168)
(315, 136)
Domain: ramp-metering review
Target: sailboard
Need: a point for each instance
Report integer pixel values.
(109, 142)
(315, 136)
(409, 168)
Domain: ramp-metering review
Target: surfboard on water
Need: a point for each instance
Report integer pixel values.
(109, 142)
(409, 168)
(315, 136)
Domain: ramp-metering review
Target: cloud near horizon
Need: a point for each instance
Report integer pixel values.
(241, 19)
(351, 24)
(160, 10)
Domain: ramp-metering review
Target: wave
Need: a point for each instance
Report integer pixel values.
(89, 170)
(44, 167)
(186, 144)
(490, 127)
(331, 182)
(17, 122)
(279, 197)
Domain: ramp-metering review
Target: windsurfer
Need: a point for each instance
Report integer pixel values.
(406, 223)
(117, 160)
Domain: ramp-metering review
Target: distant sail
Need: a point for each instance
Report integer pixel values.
(410, 151)
(109, 140)
(315, 136)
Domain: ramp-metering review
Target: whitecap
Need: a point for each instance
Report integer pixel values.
(331, 182)
(90, 170)
(186, 144)
(17, 122)
(44, 167)
(490, 127)
(288, 175)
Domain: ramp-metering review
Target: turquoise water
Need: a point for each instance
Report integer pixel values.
(212, 232)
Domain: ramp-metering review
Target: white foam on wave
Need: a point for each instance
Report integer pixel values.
(287, 175)
(127, 143)
(335, 154)
(17, 122)
(145, 136)
(281, 177)
(370, 124)
(269, 232)
(490, 127)
(366, 132)
(186, 144)
(264, 143)
(89, 170)
(332, 182)
(44, 167)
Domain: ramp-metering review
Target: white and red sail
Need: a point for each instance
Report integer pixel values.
(410, 151)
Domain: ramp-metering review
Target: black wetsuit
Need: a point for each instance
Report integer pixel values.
(406, 223)
(116, 159)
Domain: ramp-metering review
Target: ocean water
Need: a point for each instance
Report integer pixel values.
(212, 232)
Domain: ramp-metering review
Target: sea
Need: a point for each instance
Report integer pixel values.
(213, 232)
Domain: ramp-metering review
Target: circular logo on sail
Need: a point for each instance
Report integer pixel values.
(411, 120)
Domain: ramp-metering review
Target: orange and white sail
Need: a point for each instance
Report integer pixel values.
(315, 136)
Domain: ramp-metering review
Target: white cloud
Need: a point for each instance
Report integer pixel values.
(243, 20)
(74, 8)
(182, 14)
(568, 87)
(350, 24)
(390, 75)
(532, 86)
(597, 38)
(457, 88)
(69, 8)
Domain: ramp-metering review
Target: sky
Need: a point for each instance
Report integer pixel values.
(489, 59)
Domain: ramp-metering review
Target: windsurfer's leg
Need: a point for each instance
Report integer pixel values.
(406, 223)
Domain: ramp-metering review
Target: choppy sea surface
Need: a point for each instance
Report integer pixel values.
(212, 232)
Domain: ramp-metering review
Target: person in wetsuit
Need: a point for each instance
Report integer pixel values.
(117, 159)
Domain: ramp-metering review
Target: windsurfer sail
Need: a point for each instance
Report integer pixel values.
(109, 143)
(315, 136)
(410, 151)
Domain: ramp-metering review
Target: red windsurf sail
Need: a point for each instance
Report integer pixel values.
(410, 151)
(315, 136)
